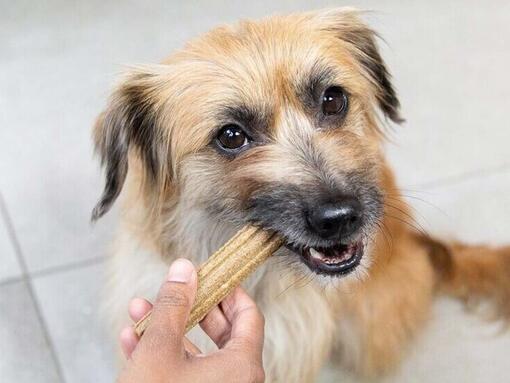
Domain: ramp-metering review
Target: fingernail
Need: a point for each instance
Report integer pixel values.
(181, 271)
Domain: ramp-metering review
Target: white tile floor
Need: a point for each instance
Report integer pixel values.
(58, 60)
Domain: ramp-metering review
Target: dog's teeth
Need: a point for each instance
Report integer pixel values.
(315, 254)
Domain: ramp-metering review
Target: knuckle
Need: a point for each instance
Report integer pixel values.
(258, 317)
(256, 373)
(260, 375)
(174, 297)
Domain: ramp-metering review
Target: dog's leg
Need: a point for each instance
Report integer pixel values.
(473, 273)
(381, 315)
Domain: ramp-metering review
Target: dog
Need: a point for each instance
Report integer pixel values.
(280, 123)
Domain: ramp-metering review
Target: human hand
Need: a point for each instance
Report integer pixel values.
(164, 354)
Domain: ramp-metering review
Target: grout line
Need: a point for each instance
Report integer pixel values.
(11, 281)
(469, 175)
(68, 267)
(26, 278)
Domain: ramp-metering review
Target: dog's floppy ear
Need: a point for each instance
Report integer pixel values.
(130, 122)
(349, 27)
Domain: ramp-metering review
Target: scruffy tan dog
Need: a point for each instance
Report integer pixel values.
(278, 122)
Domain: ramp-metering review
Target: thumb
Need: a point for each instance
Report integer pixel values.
(173, 305)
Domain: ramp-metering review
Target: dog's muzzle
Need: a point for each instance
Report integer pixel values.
(326, 230)
(336, 221)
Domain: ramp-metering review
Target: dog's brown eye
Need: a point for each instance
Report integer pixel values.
(334, 101)
(232, 137)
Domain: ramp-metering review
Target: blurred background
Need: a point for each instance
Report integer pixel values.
(58, 61)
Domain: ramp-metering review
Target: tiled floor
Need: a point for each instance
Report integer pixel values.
(58, 60)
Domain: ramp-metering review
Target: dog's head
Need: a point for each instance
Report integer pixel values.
(271, 122)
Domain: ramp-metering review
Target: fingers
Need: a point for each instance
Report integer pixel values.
(247, 323)
(128, 341)
(240, 359)
(216, 326)
(138, 307)
(236, 325)
(172, 307)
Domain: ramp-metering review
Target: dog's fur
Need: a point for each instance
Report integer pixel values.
(182, 198)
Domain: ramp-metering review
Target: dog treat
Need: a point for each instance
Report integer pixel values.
(226, 269)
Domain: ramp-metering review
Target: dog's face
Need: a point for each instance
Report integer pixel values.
(271, 122)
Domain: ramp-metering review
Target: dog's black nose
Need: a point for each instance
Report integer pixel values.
(337, 219)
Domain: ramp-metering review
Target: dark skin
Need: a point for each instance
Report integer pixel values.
(164, 354)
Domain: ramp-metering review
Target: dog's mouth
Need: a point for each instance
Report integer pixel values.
(339, 259)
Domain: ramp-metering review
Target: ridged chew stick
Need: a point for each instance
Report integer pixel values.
(226, 269)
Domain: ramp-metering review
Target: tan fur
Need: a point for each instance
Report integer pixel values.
(363, 321)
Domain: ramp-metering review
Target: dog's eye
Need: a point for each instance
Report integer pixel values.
(334, 101)
(232, 137)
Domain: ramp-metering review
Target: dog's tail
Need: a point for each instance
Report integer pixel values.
(473, 274)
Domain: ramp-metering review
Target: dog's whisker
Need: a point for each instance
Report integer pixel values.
(308, 280)
(381, 228)
(417, 226)
(401, 210)
(398, 197)
(411, 225)
(414, 211)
